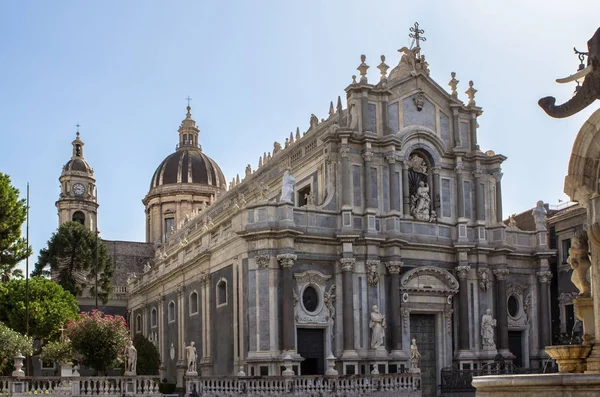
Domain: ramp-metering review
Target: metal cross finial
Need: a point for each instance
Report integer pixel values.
(188, 99)
(77, 125)
(416, 34)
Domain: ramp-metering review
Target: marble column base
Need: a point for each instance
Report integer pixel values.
(349, 355)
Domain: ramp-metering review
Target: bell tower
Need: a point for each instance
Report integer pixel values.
(77, 201)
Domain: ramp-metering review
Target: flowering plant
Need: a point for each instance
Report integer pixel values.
(59, 351)
(99, 339)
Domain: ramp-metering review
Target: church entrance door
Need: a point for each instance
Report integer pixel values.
(311, 346)
(422, 328)
(514, 344)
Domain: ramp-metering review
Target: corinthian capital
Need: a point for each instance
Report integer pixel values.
(394, 267)
(262, 260)
(367, 156)
(544, 276)
(391, 158)
(462, 271)
(500, 273)
(287, 260)
(344, 151)
(347, 264)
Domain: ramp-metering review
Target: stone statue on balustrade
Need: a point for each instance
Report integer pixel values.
(580, 262)
(420, 202)
(287, 186)
(539, 215)
(131, 359)
(487, 330)
(377, 325)
(414, 357)
(191, 356)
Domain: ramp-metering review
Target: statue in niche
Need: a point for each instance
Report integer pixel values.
(580, 262)
(417, 164)
(377, 325)
(287, 188)
(539, 215)
(487, 330)
(420, 202)
(191, 356)
(414, 356)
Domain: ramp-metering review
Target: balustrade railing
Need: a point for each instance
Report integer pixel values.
(80, 386)
(405, 384)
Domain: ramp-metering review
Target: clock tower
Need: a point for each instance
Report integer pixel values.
(77, 201)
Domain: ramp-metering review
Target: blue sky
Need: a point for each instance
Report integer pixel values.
(256, 70)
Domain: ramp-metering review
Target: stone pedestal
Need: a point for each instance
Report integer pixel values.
(331, 371)
(66, 369)
(584, 311)
(18, 364)
(545, 385)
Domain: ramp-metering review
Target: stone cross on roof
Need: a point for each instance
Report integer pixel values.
(416, 34)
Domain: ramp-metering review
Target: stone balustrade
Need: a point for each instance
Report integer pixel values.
(80, 386)
(405, 384)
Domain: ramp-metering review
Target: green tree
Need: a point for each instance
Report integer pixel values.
(70, 256)
(13, 248)
(99, 339)
(148, 358)
(12, 343)
(50, 307)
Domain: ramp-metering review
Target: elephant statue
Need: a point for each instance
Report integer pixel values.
(589, 90)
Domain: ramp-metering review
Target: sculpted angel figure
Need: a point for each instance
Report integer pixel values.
(420, 201)
(287, 188)
(580, 262)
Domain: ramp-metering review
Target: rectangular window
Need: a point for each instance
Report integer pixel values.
(372, 117)
(565, 247)
(464, 134)
(374, 187)
(356, 185)
(467, 199)
(169, 225)
(303, 195)
(446, 200)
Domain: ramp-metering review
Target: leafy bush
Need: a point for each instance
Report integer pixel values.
(99, 339)
(59, 351)
(148, 358)
(11, 343)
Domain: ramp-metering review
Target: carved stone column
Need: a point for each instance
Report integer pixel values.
(348, 303)
(161, 336)
(502, 311)
(368, 158)
(181, 363)
(436, 191)
(344, 152)
(479, 205)
(395, 321)
(405, 190)
(393, 184)
(498, 177)
(460, 191)
(544, 277)
(463, 307)
(287, 321)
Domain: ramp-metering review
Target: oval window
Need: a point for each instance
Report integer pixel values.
(310, 299)
(513, 306)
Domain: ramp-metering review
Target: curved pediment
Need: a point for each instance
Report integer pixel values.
(429, 279)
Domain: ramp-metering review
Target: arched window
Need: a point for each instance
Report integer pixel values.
(78, 216)
(138, 323)
(171, 312)
(184, 139)
(221, 292)
(153, 317)
(193, 303)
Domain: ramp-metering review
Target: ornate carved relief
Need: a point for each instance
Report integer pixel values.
(500, 273)
(544, 276)
(344, 151)
(315, 304)
(373, 272)
(262, 261)
(311, 276)
(287, 260)
(448, 315)
(462, 271)
(330, 298)
(429, 279)
(347, 264)
(394, 267)
(405, 317)
(417, 164)
(484, 280)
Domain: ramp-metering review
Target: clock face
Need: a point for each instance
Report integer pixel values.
(78, 189)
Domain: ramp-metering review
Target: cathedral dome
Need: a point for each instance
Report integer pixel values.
(188, 165)
(78, 164)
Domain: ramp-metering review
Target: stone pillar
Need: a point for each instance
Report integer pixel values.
(405, 190)
(181, 361)
(460, 191)
(502, 311)
(145, 319)
(498, 177)
(368, 158)
(161, 336)
(384, 117)
(393, 184)
(473, 125)
(479, 205)
(544, 277)
(436, 191)
(364, 110)
(348, 305)
(344, 152)
(287, 321)
(395, 322)
(463, 307)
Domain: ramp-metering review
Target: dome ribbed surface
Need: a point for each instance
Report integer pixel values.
(188, 166)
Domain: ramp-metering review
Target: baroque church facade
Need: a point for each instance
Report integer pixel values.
(378, 225)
